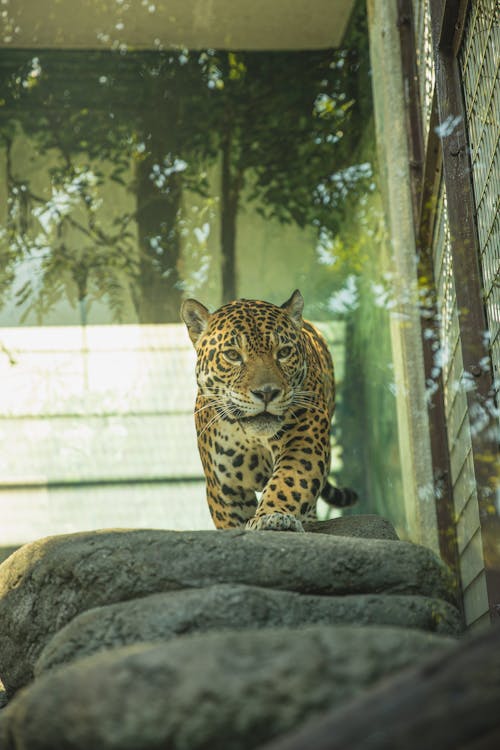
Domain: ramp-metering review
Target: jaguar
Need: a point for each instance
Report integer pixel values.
(266, 397)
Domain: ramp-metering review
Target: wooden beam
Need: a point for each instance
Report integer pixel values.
(424, 174)
(452, 24)
(412, 102)
(445, 509)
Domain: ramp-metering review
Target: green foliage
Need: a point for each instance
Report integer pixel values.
(285, 126)
(296, 120)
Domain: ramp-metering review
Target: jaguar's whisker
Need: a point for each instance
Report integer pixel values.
(210, 423)
(211, 404)
(302, 402)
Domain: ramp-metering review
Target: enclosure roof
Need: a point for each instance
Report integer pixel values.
(195, 24)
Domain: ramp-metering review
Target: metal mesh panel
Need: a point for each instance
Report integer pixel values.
(425, 61)
(457, 417)
(450, 351)
(480, 69)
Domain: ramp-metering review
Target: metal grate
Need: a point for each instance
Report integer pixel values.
(449, 358)
(425, 60)
(479, 60)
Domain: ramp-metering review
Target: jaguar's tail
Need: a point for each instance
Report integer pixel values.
(340, 497)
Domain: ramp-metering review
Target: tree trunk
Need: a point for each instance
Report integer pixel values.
(230, 193)
(451, 702)
(158, 296)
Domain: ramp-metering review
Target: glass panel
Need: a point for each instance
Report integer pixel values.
(133, 179)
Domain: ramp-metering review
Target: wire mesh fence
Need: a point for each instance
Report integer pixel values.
(479, 60)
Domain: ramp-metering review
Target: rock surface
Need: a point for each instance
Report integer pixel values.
(231, 690)
(46, 584)
(161, 617)
(367, 526)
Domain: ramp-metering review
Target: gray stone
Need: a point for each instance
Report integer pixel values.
(160, 617)
(366, 526)
(46, 584)
(232, 690)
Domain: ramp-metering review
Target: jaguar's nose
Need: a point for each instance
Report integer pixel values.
(267, 393)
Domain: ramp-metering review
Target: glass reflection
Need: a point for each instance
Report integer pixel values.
(133, 179)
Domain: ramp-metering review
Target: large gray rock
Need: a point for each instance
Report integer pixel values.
(231, 690)
(160, 617)
(46, 584)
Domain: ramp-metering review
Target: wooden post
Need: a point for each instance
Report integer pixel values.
(425, 165)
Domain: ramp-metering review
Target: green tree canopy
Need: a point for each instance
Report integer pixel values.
(284, 127)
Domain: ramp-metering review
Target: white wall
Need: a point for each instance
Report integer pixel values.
(96, 425)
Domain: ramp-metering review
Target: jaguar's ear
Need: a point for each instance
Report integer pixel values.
(294, 307)
(195, 316)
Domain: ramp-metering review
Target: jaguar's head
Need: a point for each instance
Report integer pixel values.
(251, 360)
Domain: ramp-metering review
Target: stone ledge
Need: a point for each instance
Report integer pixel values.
(161, 617)
(46, 584)
(231, 690)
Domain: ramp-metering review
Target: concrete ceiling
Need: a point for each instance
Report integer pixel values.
(155, 24)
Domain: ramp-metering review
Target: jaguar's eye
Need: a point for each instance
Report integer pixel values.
(233, 355)
(284, 352)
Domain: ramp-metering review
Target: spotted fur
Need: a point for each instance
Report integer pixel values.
(266, 397)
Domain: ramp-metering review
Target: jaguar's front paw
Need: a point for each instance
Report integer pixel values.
(275, 522)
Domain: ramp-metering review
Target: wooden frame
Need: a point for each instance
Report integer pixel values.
(447, 154)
